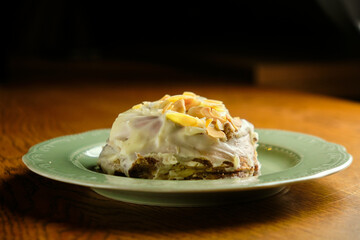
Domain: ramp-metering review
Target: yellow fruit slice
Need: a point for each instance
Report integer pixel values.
(183, 119)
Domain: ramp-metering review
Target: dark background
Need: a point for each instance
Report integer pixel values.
(175, 42)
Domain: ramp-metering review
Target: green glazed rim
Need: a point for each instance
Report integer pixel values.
(286, 158)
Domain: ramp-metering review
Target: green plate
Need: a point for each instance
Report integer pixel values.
(286, 158)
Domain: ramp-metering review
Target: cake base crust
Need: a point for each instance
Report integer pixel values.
(152, 168)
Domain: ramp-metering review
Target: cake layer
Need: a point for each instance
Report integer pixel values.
(180, 137)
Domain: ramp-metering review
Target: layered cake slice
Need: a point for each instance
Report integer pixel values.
(180, 137)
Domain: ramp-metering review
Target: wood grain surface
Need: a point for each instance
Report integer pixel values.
(33, 207)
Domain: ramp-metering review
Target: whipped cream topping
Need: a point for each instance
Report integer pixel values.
(175, 136)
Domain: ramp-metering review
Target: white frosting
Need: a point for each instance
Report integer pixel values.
(147, 131)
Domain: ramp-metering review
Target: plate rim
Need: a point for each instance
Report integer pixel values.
(241, 187)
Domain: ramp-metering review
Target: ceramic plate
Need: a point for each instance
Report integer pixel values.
(286, 158)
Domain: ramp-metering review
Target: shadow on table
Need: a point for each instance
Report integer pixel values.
(47, 201)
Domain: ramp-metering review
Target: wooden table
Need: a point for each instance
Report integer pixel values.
(33, 207)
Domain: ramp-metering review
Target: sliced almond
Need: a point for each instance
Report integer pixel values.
(191, 102)
(206, 112)
(189, 94)
(196, 112)
(217, 102)
(230, 119)
(219, 108)
(168, 106)
(216, 115)
(211, 131)
(137, 106)
(175, 98)
(237, 121)
(164, 97)
(219, 125)
(179, 106)
(204, 104)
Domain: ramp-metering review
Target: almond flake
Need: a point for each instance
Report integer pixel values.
(179, 106)
(229, 118)
(206, 112)
(164, 97)
(211, 131)
(215, 113)
(237, 121)
(196, 112)
(218, 125)
(175, 98)
(137, 106)
(191, 102)
(219, 108)
(167, 107)
(214, 102)
(189, 94)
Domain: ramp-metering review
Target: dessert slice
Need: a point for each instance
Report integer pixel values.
(180, 137)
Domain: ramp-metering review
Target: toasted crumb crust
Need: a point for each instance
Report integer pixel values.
(151, 168)
(144, 168)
